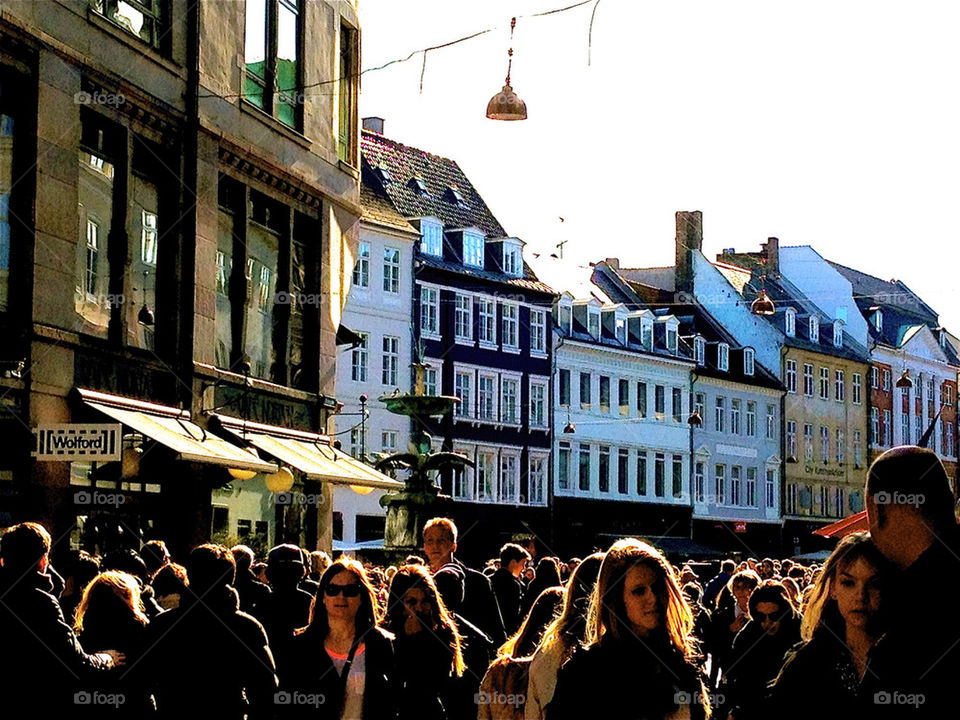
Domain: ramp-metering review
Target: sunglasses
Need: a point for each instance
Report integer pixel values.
(350, 591)
(772, 617)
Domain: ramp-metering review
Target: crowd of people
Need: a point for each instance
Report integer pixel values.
(869, 633)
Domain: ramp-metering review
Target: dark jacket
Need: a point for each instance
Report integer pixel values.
(128, 682)
(818, 678)
(424, 664)
(459, 697)
(308, 671)
(251, 591)
(634, 678)
(208, 659)
(755, 660)
(509, 592)
(717, 583)
(42, 664)
(919, 656)
(282, 612)
(480, 604)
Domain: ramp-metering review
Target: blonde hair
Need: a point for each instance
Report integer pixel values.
(106, 592)
(568, 628)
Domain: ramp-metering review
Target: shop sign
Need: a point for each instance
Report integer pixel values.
(100, 442)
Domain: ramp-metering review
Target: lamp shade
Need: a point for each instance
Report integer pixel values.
(904, 381)
(506, 105)
(281, 481)
(763, 305)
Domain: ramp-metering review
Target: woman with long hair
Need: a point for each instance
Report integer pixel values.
(503, 691)
(428, 645)
(843, 620)
(639, 645)
(111, 615)
(340, 665)
(562, 636)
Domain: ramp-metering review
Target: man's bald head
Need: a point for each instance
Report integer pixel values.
(912, 479)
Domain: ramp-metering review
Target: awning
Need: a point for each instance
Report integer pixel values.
(852, 523)
(172, 428)
(310, 453)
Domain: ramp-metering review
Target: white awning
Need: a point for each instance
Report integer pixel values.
(172, 428)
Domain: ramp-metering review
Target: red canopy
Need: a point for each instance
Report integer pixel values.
(850, 524)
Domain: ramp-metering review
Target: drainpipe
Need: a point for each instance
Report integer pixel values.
(554, 449)
(693, 380)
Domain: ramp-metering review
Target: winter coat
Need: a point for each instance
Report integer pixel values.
(641, 680)
(208, 659)
(42, 664)
(509, 592)
(480, 605)
(424, 663)
(281, 613)
(544, 667)
(755, 660)
(127, 684)
(503, 692)
(308, 672)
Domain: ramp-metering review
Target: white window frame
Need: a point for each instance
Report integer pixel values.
(510, 380)
(837, 333)
(672, 337)
(791, 376)
(508, 488)
(771, 432)
(388, 440)
(487, 492)
(751, 418)
(735, 416)
(750, 483)
(719, 414)
(593, 322)
(790, 322)
(487, 321)
(391, 270)
(390, 361)
(723, 357)
(473, 249)
(792, 439)
(857, 388)
(431, 237)
(467, 407)
(512, 260)
(538, 332)
(359, 358)
(510, 325)
(841, 449)
(839, 391)
(361, 270)
(824, 383)
(749, 361)
(814, 329)
(463, 319)
(494, 404)
(770, 488)
(539, 387)
(537, 464)
(700, 351)
(430, 312)
(646, 333)
(808, 384)
(824, 444)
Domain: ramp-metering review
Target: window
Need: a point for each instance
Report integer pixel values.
(95, 194)
(430, 380)
(699, 403)
(511, 314)
(642, 472)
(623, 464)
(659, 474)
(584, 467)
(355, 442)
(431, 237)
(564, 387)
(659, 402)
(563, 466)
(887, 427)
(348, 84)
(815, 329)
(603, 468)
(823, 504)
(838, 389)
(771, 422)
(509, 479)
(677, 404)
(948, 395)
(723, 357)
(266, 224)
(719, 411)
(486, 475)
(472, 249)
(388, 441)
(790, 503)
(838, 501)
(874, 425)
(672, 339)
(536, 480)
(792, 439)
(676, 475)
(791, 376)
(790, 322)
(538, 404)
(841, 446)
(621, 330)
(837, 334)
(509, 399)
(857, 389)
(272, 57)
(429, 311)
(917, 430)
(604, 394)
(358, 359)
(824, 444)
(808, 380)
(391, 361)
(886, 380)
(700, 351)
(699, 491)
(720, 483)
(808, 442)
(361, 271)
(770, 493)
(735, 416)
(857, 449)
(878, 320)
(391, 270)
(904, 428)
(751, 419)
(512, 263)
(263, 289)
(948, 439)
(463, 317)
(735, 485)
(646, 333)
(488, 320)
(486, 397)
(593, 322)
(752, 486)
(641, 399)
(874, 378)
(584, 391)
(538, 332)
(824, 383)
(623, 396)
(141, 18)
(463, 389)
(748, 361)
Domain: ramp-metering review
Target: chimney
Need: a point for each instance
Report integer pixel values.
(613, 263)
(689, 239)
(770, 251)
(373, 124)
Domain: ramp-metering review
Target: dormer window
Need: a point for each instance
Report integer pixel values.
(646, 333)
(723, 357)
(815, 329)
(418, 185)
(943, 339)
(472, 249)
(453, 195)
(383, 174)
(431, 237)
(512, 260)
(700, 350)
(672, 339)
(749, 361)
(838, 333)
(565, 317)
(878, 320)
(790, 322)
(593, 322)
(621, 329)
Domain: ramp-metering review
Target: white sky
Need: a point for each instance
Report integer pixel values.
(828, 123)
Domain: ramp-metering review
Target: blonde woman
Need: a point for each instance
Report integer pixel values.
(639, 655)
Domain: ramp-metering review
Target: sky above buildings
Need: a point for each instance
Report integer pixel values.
(831, 124)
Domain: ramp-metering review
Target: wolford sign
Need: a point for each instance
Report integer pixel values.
(100, 442)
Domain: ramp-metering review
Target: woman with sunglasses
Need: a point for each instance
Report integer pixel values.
(758, 651)
(841, 624)
(428, 646)
(341, 664)
(639, 656)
